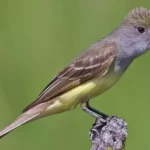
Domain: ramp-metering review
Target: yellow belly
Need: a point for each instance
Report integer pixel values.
(81, 93)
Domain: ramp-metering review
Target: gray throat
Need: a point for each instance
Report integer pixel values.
(121, 64)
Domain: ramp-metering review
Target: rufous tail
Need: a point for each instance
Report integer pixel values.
(22, 119)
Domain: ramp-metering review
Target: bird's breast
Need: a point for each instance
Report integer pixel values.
(89, 89)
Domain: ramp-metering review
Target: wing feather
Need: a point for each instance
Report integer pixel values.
(93, 62)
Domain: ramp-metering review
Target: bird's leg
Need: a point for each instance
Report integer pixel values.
(93, 112)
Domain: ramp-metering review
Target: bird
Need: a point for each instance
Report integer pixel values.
(92, 72)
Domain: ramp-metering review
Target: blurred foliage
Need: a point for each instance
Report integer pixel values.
(40, 37)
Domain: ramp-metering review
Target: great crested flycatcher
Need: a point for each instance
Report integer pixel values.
(93, 72)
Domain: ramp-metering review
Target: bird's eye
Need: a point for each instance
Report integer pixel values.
(141, 29)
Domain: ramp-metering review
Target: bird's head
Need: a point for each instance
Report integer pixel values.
(135, 32)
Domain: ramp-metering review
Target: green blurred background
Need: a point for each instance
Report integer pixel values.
(37, 39)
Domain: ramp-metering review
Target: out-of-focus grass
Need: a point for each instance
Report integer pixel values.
(37, 39)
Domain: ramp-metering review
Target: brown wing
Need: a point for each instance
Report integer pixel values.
(95, 61)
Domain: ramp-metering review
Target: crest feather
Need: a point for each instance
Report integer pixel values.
(139, 16)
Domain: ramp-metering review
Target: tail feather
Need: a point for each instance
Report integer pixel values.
(22, 119)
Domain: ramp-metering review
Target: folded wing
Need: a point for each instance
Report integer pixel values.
(93, 62)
